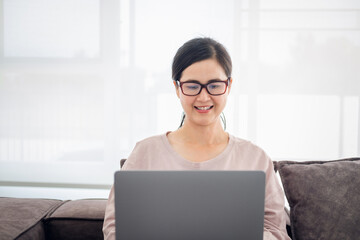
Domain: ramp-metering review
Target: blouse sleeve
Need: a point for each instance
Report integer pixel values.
(275, 218)
(109, 219)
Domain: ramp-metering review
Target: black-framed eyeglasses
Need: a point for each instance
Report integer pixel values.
(213, 87)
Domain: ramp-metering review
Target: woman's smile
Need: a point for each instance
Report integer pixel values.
(203, 109)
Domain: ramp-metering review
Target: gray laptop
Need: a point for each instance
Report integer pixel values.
(186, 205)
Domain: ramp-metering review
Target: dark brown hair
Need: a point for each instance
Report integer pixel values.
(199, 49)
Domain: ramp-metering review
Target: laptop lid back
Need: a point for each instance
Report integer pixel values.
(163, 205)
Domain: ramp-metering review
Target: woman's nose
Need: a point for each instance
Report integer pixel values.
(203, 95)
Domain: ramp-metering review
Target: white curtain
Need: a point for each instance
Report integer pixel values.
(81, 81)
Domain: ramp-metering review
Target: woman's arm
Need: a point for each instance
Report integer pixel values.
(275, 217)
(109, 220)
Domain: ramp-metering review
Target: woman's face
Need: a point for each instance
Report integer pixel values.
(203, 109)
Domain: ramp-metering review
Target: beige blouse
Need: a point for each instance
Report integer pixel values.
(156, 153)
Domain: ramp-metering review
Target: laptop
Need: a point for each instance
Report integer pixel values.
(178, 205)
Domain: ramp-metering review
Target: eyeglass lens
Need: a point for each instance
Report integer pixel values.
(214, 88)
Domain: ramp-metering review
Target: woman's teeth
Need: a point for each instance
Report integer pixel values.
(204, 108)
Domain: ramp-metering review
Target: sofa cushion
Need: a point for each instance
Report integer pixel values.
(21, 218)
(78, 219)
(324, 198)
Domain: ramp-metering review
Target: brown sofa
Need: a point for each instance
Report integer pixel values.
(324, 199)
(51, 219)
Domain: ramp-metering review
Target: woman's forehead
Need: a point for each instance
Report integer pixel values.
(204, 70)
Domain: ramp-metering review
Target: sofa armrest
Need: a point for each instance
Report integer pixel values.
(78, 219)
(21, 218)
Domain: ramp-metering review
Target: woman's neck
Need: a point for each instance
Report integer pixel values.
(202, 135)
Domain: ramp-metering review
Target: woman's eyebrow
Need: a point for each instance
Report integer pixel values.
(196, 81)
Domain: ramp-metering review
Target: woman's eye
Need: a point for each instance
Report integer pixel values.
(214, 86)
(192, 87)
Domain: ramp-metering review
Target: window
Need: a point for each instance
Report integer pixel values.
(68, 113)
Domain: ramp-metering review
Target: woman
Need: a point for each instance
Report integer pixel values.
(201, 74)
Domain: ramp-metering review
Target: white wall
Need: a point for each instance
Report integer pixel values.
(82, 81)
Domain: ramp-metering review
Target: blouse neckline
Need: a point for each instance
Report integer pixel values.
(187, 162)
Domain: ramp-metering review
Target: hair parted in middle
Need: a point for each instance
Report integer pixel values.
(199, 49)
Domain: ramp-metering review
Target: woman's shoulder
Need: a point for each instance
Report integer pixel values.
(242, 142)
(145, 150)
(238, 140)
(248, 150)
(152, 142)
(152, 139)
(245, 145)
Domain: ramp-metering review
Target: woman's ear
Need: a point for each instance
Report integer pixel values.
(230, 83)
(176, 88)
